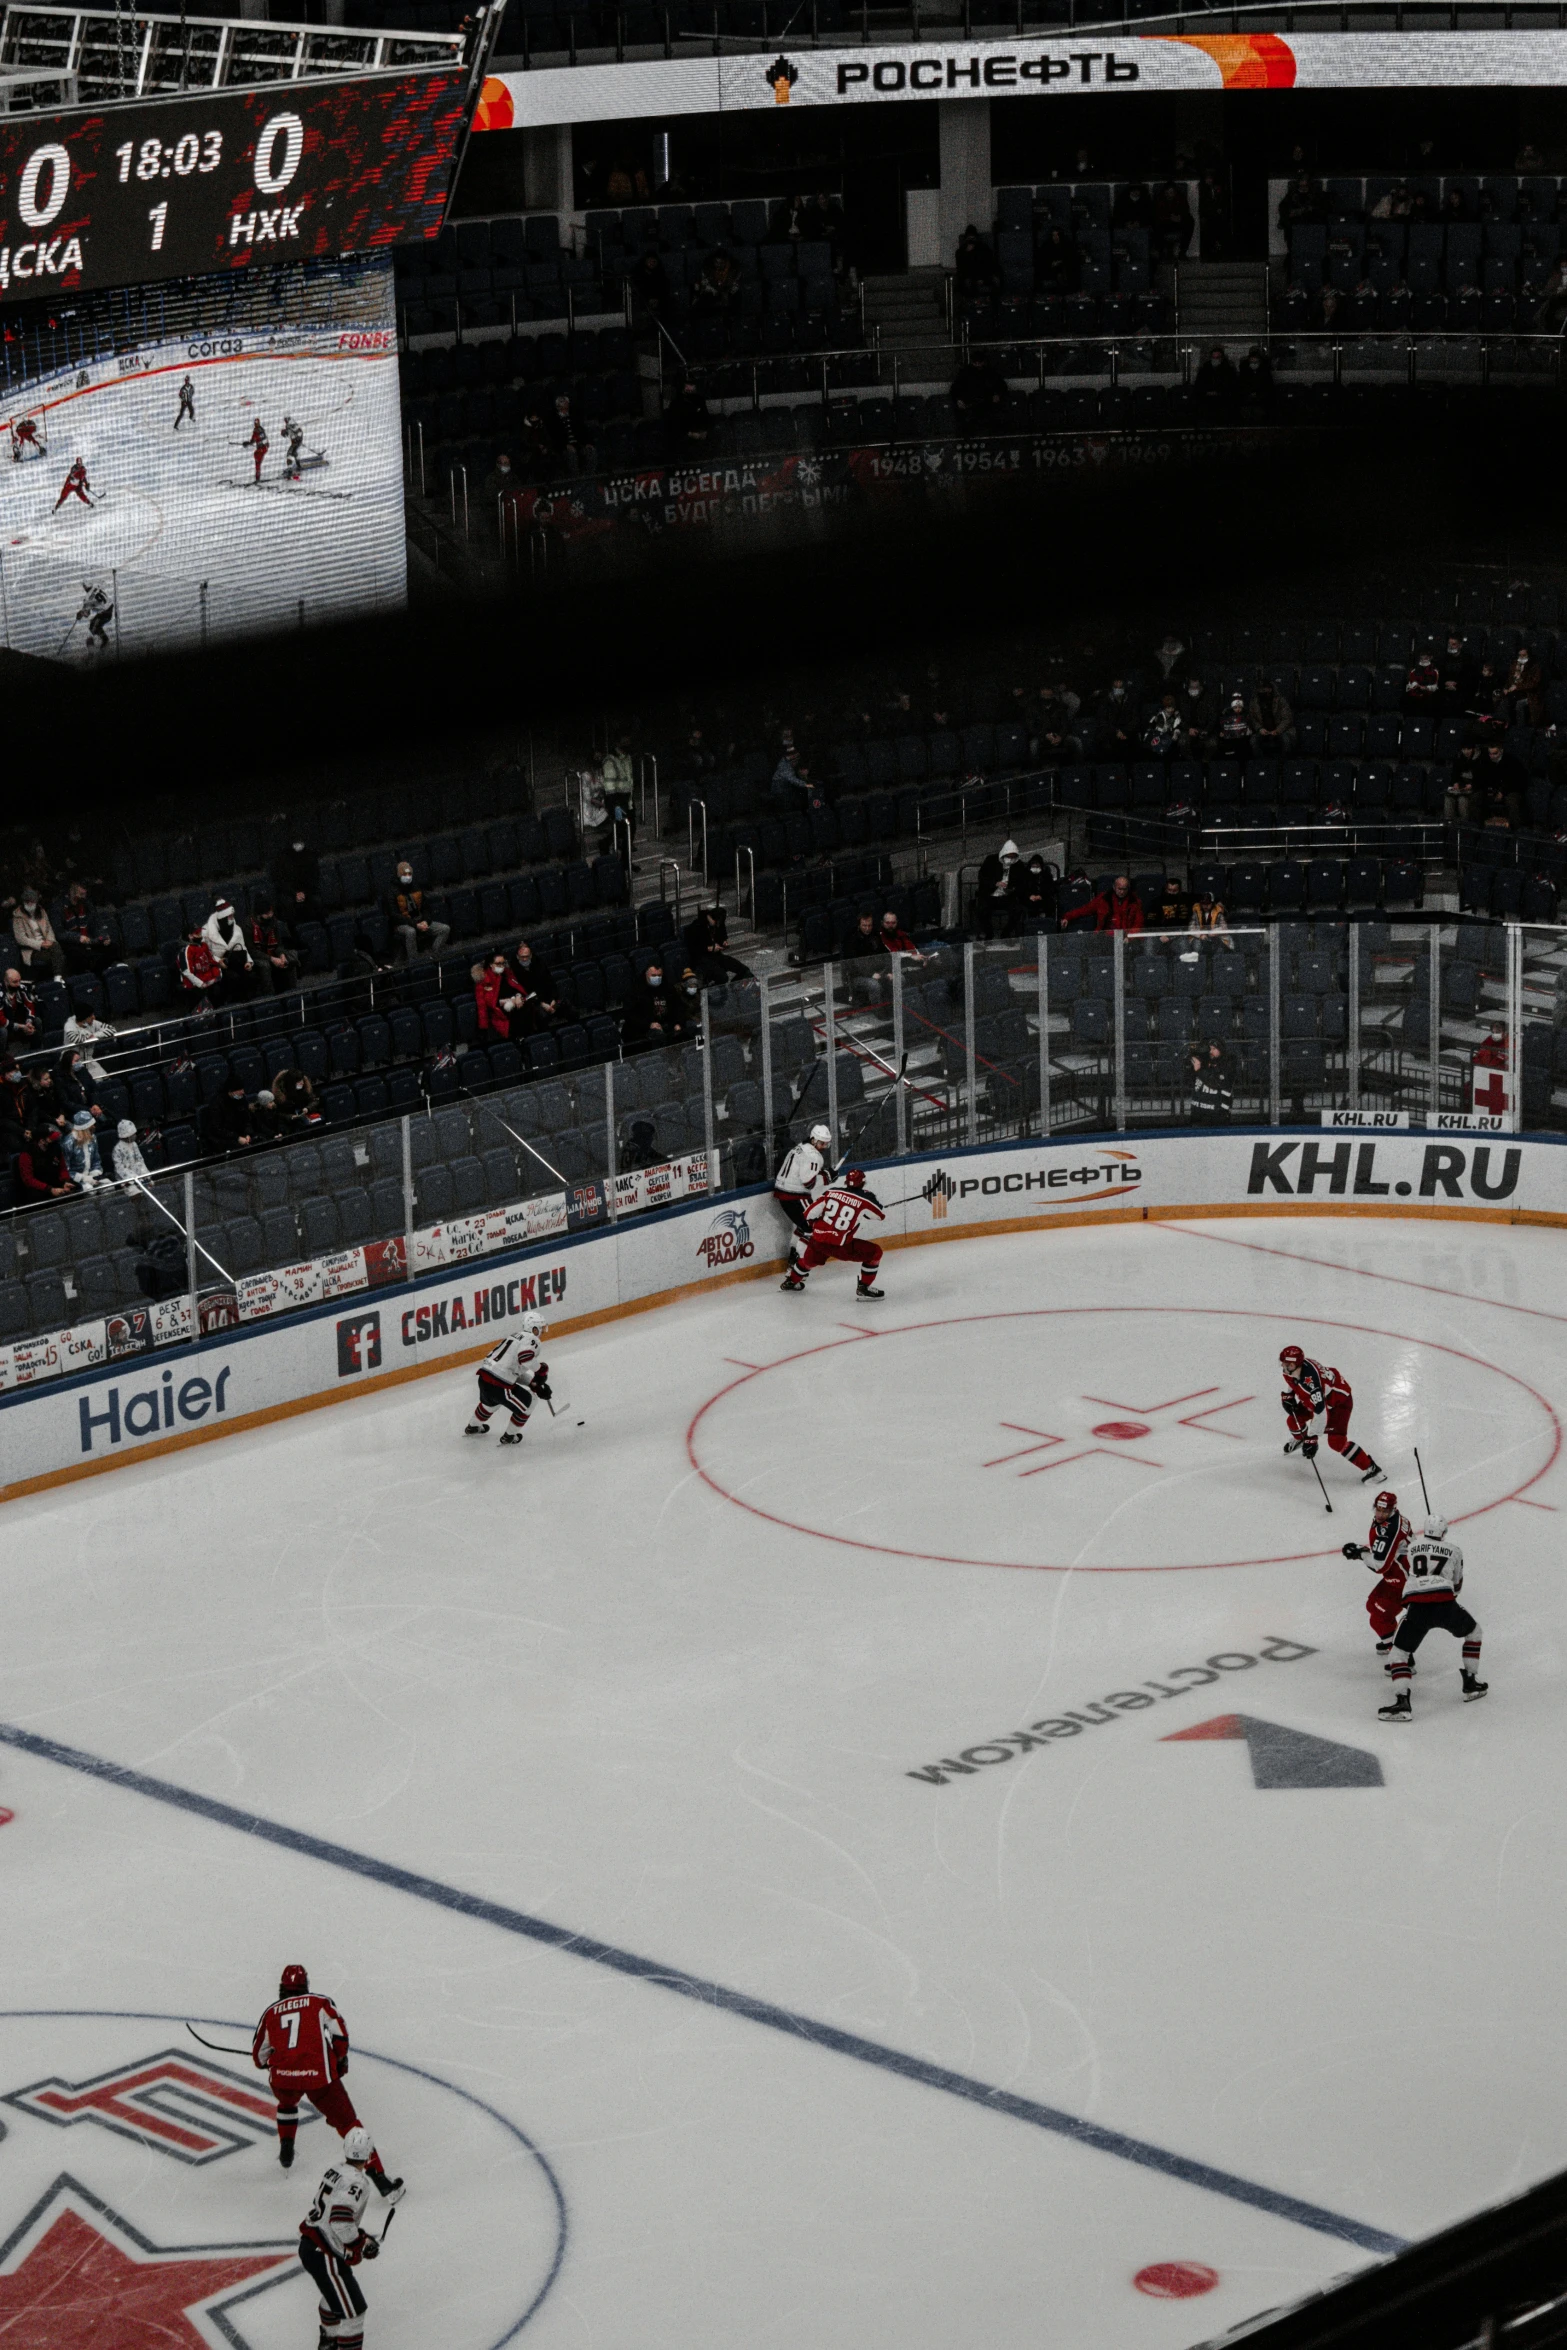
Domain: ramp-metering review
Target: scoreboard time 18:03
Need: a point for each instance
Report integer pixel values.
(184, 186)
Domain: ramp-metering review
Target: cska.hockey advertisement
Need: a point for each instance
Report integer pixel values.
(228, 479)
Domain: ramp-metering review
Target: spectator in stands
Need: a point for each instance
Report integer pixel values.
(571, 449)
(20, 1005)
(1272, 723)
(297, 873)
(1056, 264)
(498, 996)
(788, 224)
(33, 932)
(80, 1152)
(1059, 702)
(1133, 206)
(995, 905)
(688, 424)
(1458, 670)
(1162, 735)
(14, 1108)
(225, 934)
(1524, 688)
(295, 1099)
(1199, 718)
(706, 941)
(43, 1105)
(717, 287)
(226, 1119)
(1211, 1099)
(1119, 907)
(1551, 316)
(201, 974)
(1302, 202)
(620, 783)
(1422, 688)
(86, 1033)
(1054, 748)
(895, 940)
(648, 1010)
(413, 925)
(73, 1085)
(1173, 909)
(974, 267)
(265, 1117)
(648, 283)
(128, 1162)
(1173, 223)
(541, 995)
(272, 957)
(1214, 215)
(1215, 386)
(1465, 794)
(862, 938)
(1034, 886)
(1506, 779)
(1234, 735)
(1255, 385)
(40, 1167)
(792, 779)
(1395, 203)
(500, 481)
(1208, 914)
(979, 394)
(1114, 735)
(85, 936)
(1529, 163)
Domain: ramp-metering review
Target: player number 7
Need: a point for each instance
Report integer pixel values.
(291, 2027)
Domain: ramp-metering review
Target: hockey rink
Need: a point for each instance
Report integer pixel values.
(730, 1955)
(180, 534)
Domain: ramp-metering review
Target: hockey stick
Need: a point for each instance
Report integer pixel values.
(871, 1115)
(70, 632)
(1425, 1497)
(218, 2047)
(1327, 1505)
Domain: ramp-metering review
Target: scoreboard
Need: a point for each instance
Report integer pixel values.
(227, 179)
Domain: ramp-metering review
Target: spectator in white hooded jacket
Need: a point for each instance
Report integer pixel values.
(129, 1165)
(225, 935)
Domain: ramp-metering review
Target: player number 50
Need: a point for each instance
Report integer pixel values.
(278, 150)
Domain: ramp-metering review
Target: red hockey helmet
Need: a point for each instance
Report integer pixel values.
(1292, 1358)
(854, 1177)
(1384, 1505)
(292, 1981)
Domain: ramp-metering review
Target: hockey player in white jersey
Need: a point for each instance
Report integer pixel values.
(802, 1178)
(1433, 1578)
(333, 2240)
(510, 1376)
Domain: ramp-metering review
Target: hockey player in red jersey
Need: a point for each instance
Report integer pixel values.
(25, 442)
(832, 1224)
(510, 1376)
(76, 486)
(1310, 1388)
(258, 443)
(301, 2044)
(1384, 1551)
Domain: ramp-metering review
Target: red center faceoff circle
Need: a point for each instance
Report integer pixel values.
(1175, 2280)
(702, 1439)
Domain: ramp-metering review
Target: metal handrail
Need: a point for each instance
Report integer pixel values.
(667, 865)
(749, 855)
(691, 809)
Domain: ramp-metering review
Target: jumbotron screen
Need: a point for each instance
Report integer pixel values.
(177, 186)
(227, 479)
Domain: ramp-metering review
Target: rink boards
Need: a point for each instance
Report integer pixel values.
(77, 1425)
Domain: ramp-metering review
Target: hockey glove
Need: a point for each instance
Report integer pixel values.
(542, 1388)
(1354, 1550)
(1308, 1446)
(368, 2248)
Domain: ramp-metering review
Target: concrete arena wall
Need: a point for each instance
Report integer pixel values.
(243, 1378)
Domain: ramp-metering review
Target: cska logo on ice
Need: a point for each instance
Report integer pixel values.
(142, 2201)
(727, 1240)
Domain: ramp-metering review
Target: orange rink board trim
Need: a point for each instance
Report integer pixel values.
(56, 1432)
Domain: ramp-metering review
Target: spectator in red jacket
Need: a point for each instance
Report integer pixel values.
(1118, 907)
(40, 1167)
(499, 995)
(201, 974)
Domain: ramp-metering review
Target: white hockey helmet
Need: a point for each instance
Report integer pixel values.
(822, 1137)
(358, 2145)
(532, 1325)
(1436, 1529)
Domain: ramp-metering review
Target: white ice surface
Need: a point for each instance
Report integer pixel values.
(180, 508)
(666, 1690)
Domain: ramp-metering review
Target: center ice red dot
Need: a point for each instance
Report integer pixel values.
(1124, 1431)
(1175, 2280)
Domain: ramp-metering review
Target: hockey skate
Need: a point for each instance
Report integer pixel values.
(477, 1428)
(794, 1279)
(1366, 1475)
(511, 1436)
(392, 2189)
(1399, 1711)
(1474, 1688)
(866, 1289)
(285, 2152)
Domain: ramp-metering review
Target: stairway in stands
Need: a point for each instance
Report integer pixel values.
(908, 315)
(1223, 302)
